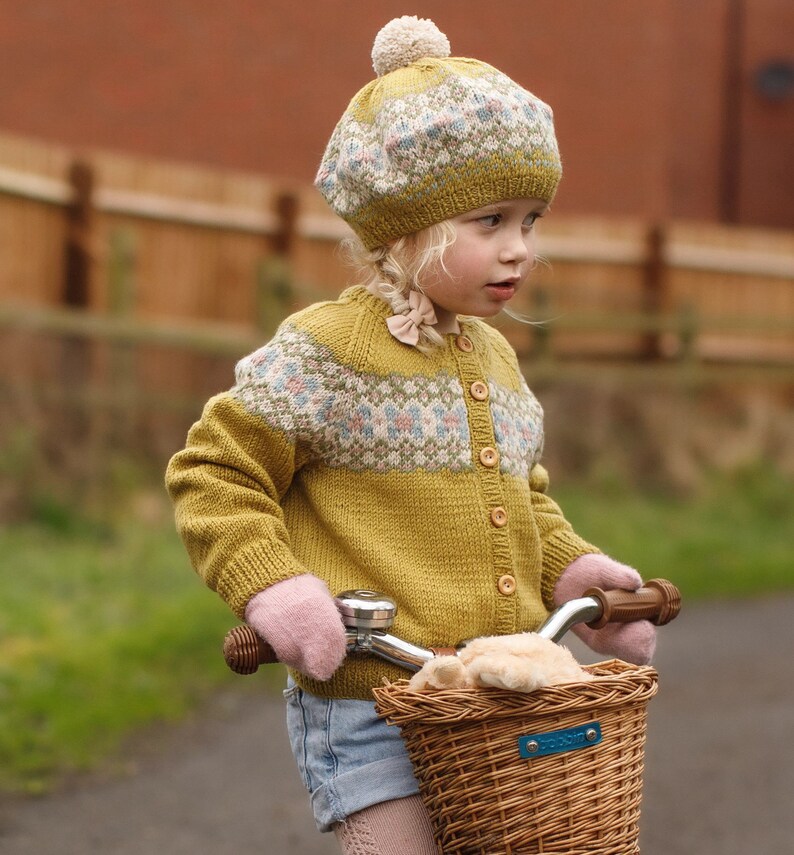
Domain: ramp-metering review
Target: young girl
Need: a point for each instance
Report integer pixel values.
(387, 440)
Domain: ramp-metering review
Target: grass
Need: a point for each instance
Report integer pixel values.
(106, 629)
(735, 539)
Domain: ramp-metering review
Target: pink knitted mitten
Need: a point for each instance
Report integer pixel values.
(633, 642)
(299, 619)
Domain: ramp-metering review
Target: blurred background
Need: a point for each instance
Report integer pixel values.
(158, 220)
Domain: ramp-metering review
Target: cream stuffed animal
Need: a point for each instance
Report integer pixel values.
(522, 663)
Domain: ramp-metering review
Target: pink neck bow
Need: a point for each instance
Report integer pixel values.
(405, 326)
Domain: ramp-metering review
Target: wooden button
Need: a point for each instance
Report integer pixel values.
(489, 457)
(464, 343)
(506, 585)
(479, 390)
(499, 517)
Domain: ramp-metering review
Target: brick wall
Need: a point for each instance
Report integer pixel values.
(638, 87)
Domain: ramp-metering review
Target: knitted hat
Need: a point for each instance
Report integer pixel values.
(432, 137)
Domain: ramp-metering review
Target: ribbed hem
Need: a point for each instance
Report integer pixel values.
(354, 679)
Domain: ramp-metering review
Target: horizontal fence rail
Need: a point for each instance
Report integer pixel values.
(577, 248)
(234, 341)
(173, 246)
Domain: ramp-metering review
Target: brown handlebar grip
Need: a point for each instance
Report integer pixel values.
(244, 651)
(658, 601)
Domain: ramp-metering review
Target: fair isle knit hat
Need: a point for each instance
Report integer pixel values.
(434, 136)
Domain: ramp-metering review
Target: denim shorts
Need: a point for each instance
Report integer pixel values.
(347, 756)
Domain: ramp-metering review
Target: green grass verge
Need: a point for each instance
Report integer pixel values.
(102, 633)
(736, 538)
(105, 630)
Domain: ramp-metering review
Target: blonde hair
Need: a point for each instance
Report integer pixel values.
(392, 272)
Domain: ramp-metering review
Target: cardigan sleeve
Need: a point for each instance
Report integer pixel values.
(226, 494)
(560, 544)
(239, 460)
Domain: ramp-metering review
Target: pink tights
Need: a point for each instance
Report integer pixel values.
(398, 827)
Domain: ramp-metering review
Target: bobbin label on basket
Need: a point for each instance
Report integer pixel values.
(557, 741)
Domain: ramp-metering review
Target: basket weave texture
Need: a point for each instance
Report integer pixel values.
(485, 799)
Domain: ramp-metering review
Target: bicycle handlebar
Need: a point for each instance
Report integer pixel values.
(366, 614)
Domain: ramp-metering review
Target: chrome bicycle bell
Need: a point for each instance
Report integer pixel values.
(362, 609)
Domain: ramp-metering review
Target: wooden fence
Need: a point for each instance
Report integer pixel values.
(129, 287)
(137, 239)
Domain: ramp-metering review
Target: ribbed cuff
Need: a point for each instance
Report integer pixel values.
(558, 552)
(258, 567)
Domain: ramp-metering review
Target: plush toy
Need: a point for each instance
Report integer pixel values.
(522, 663)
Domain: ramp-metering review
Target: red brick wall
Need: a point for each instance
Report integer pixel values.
(638, 88)
(696, 82)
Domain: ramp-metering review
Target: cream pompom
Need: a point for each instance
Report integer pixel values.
(404, 40)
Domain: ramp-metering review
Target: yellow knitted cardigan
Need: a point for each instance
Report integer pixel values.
(344, 453)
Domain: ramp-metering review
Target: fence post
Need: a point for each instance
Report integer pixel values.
(73, 433)
(654, 276)
(78, 269)
(76, 355)
(80, 238)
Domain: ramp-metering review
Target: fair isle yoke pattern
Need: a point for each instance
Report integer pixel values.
(518, 428)
(368, 422)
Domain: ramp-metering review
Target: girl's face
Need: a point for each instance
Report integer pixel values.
(492, 255)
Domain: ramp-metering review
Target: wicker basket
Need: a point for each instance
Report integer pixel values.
(575, 791)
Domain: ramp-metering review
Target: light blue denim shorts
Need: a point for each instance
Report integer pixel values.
(347, 756)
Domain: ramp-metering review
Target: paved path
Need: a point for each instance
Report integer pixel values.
(719, 763)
